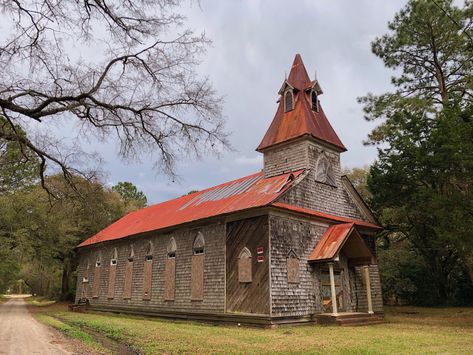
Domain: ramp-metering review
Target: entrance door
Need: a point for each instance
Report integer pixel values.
(326, 291)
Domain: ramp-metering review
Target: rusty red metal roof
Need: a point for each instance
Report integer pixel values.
(324, 215)
(331, 242)
(237, 195)
(301, 120)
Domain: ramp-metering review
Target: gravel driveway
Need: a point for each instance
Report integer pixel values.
(20, 333)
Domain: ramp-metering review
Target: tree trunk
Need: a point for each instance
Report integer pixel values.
(66, 272)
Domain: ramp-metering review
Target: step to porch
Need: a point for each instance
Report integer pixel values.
(350, 319)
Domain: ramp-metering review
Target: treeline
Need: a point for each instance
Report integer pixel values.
(39, 229)
(421, 184)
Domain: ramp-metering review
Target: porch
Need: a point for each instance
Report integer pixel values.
(340, 249)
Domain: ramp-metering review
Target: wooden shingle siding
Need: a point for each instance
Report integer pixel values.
(214, 270)
(310, 193)
(304, 297)
(197, 277)
(128, 280)
(96, 287)
(169, 279)
(248, 297)
(147, 279)
(112, 274)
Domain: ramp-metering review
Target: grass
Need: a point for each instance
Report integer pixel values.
(39, 301)
(407, 330)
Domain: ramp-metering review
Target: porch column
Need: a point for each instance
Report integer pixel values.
(366, 270)
(332, 289)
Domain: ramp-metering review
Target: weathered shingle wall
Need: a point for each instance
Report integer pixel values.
(294, 299)
(286, 158)
(214, 271)
(322, 197)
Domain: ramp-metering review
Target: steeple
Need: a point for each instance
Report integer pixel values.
(299, 113)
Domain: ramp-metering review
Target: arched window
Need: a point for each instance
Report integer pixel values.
(171, 248)
(131, 253)
(245, 274)
(199, 244)
(112, 273)
(325, 172)
(149, 252)
(197, 273)
(148, 272)
(292, 267)
(170, 271)
(98, 261)
(288, 101)
(129, 273)
(98, 267)
(315, 103)
(113, 260)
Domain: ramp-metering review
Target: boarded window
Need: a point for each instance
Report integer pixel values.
(96, 287)
(128, 279)
(244, 266)
(197, 277)
(324, 172)
(85, 281)
(129, 273)
(288, 101)
(293, 268)
(170, 271)
(112, 274)
(148, 272)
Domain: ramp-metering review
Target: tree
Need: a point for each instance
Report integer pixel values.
(422, 180)
(120, 70)
(17, 168)
(359, 179)
(130, 194)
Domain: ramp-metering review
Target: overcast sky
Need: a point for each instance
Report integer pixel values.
(254, 44)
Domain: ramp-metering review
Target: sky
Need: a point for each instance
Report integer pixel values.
(254, 44)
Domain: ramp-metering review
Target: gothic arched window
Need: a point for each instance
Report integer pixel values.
(113, 260)
(197, 273)
(314, 100)
(148, 272)
(245, 274)
(170, 270)
(325, 172)
(288, 101)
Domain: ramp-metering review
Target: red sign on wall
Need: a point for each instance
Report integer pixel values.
(259, 250)
(260, 258)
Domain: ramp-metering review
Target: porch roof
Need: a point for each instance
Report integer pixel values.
(341, 236)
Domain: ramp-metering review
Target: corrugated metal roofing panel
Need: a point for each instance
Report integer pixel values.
(331, 242)
(248, 192)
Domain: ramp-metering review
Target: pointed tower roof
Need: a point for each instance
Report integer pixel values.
(301, 120)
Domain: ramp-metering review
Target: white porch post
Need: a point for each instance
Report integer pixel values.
(332, 289)
(366, 270)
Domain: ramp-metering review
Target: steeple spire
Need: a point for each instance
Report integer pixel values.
(300, 119)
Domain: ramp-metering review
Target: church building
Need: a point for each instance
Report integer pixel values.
(291, 243)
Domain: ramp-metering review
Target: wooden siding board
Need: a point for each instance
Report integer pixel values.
(96, 286)
(127, 286)
(197, 282)
(170, 279)
(147, 279)
(248, 297)
(112, 274)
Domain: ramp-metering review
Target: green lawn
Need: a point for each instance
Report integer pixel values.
(407, 330)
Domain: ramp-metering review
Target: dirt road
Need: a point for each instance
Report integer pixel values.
(20, 333)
